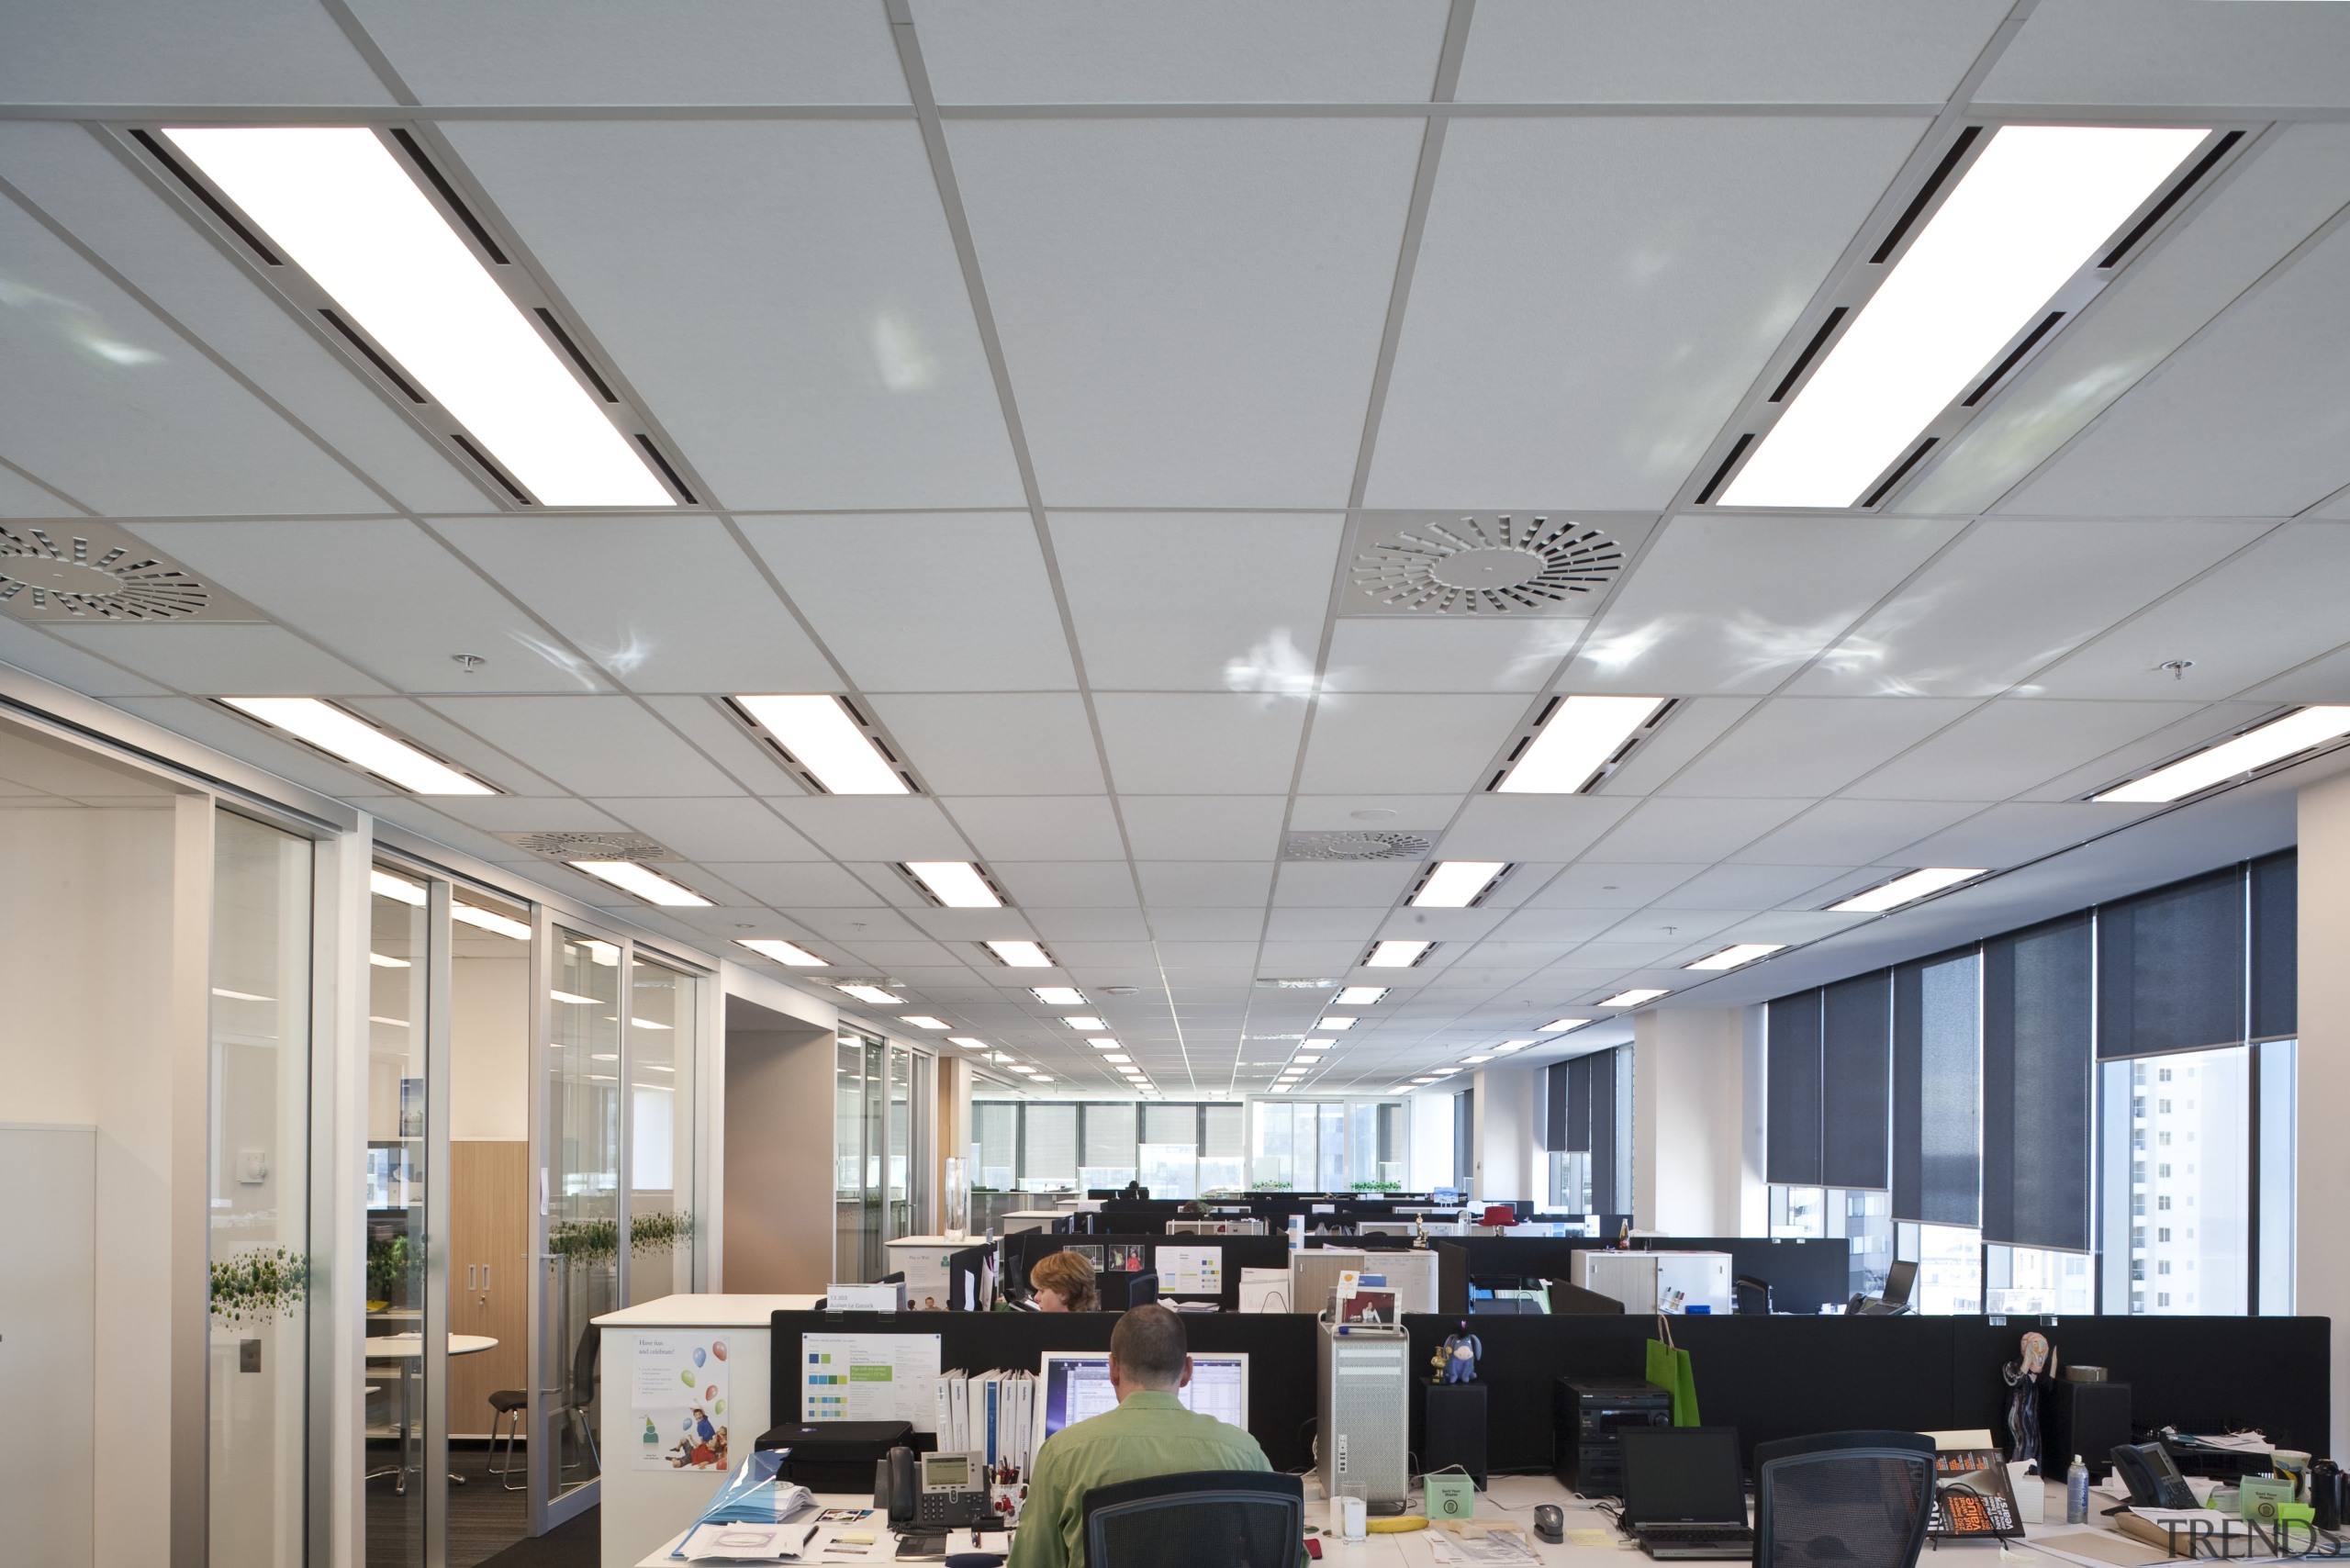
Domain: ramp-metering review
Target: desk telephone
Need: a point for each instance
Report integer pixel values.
(934, 1491)
(2152, 1476)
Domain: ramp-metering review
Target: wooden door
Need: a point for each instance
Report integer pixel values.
(489, 1283)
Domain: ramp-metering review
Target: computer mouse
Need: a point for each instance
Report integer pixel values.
(1551, 1522)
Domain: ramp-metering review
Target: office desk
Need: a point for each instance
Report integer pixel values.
(1511, 1498)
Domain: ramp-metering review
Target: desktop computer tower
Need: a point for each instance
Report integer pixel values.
(1363, 1388)
(1588, 1413)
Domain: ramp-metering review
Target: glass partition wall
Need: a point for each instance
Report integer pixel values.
(882, 1109)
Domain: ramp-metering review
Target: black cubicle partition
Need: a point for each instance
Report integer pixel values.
(1804, 1274)
(1021, 1248)
(1280, 1345)
(1790, 1376)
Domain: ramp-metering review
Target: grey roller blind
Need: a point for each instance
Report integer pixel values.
(1554, 1108)
(1110, 1136)
(1050, 1154)
(2036, 1067)
(1604, 1075)
(2275, 934)
(1937, 1090)
(1790, 1089)
(1222, 1138)
(2170, 967)
(1171, 1124)
(1856, 1082)
(998, 1127)
(1579, 1105)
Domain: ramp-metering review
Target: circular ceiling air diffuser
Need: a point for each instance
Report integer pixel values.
(1355, 847)
(1488, 566)
(591, 846)
(39, 572)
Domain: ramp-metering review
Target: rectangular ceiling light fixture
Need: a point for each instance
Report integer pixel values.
(967, 1042)
(385, 961)
(641, 880)
(1475, 1061)
(824, 736)
(1560, 1026)
(1102, 1043)
(384, 885)
(1633, 997)
(1020, 954)
(1336, 1021)
(872, 993)
(1361, 995)
(2248, 753)
(1083, 1022)
(340, 206)
(1508, 1046)
(1457, 884)
(1906, 889)
(1315, 1045)
(1580, 735)
(360, 744)
(922, 1021)
(2037, 204)
(955, 883)
(489, 919)
(1057, 995)
(783, 952)
(1738, 953)
(1396, 954)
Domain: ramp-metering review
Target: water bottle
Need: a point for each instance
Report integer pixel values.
(2076, 1493)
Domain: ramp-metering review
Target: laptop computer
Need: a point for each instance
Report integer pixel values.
(1683, 1491)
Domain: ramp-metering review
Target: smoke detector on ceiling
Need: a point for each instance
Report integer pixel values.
(1359, 845)
(1493, 566)
(591, 846)
(91, 571)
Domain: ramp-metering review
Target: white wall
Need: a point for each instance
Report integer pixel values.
(1430, 1165)
(1690, 1126)
(2322, 1252)
(489, 1048)
(1502, 1119)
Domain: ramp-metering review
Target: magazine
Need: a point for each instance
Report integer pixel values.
(1972, 1497)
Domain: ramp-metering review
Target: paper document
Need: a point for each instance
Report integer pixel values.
(1190, 1270)
(748, 1543)
(869, 1377)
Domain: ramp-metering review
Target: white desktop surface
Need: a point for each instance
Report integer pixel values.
(1511, 1498)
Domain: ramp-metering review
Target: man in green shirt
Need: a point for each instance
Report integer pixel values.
(1149, 1433)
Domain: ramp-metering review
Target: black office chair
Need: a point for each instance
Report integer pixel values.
(1842, 1500)
(510, 1405)
(1234, 1519)
(582, 1391)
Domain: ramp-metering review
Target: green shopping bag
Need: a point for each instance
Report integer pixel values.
(1669, 1369)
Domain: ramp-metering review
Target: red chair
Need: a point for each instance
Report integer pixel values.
(1499, 1215)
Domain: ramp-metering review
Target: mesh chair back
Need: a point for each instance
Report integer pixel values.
(1233, 1518)
(583, 1366)
(1842, 1500)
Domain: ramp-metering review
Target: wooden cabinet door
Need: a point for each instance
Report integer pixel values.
(490, 1281)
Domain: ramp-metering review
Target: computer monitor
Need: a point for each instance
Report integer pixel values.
(1673, 1474)
(1900, 1279)
(1074, 1384)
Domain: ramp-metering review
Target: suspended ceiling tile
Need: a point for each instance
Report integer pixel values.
(2298, 178)
(1326, 814)
(226, 732)
(1152, 613)
(2270, 609)
(1081, 957)
(591, 746)
(2324, 679)
(1338, 884)
(384, 595)
(2250, 420)
(782, 293)
(1056, 925)
(1737, 604)
(2173, 52)
(1204, 827)
(56, 659)
(2020, 831)
(1207, 925)
(1692, 726)
(1185, 743)
(747, 761)
(2200, 726)
(528, 793)
(996, 742)
(91, 375)
(1442, 925)
(1205, 883)
(794, 884)
(2004, 748)
(728, 827)
(1603, 887)
(1189, 308)
(152, 52)
(1571, 335)
(1667, 829)
(967, 928)
(1247, 52)
(25, 497)
(1406, 652)
(876, 827)
(854, 925)
(1353, 925)
(2012, 597)
(1206, 955)
(1750, 887)
(225, 660)
(1558, 926)
(695, 616)
(1814, 746)
(1825, 51)
(1087, 884)
(1856, 833)
(1525, 827)
(1407, 744)
(630, 51)
(1676, 923)
(1065, 827)
(906, 602)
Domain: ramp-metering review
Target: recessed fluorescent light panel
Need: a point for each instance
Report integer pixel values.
(967, 1042)
(783, 952)
(1317, 1044)
(1457, 884)
(1508, 1046)
(1633, 997)
(489, 919)
(1083, 1021)
(1579, 738)
(573, 999)
(1102, 1043)
(385, 961)
(955, 883)
(360, 744)
(339, 204)
(1396, 955)
(2248, 753)
(1560, 1026)
(2037, 205)
(922, 1021)
(1057, 995)
(384, 885)
(872, 993)
(1021, 954)
(644, 881)
(1474, 1062)
(1361, 995)
(1336, 1021)
(823, 735)
(1740, 953)
(1907, 888)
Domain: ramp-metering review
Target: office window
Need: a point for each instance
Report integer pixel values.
(1937, 1090)
(1308, 1146)
(2212, 1108)
(2038, 990)
(1109, 1144)
(995, 1145)
(1950, 1267)
(1588, 1131)
(2025, 1280)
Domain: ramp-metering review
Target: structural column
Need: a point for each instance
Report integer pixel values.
(1696, 1129)
(2321, 1245)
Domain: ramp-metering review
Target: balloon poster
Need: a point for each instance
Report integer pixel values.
(679, 1402)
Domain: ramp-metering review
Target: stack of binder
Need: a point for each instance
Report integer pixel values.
(992, 1414)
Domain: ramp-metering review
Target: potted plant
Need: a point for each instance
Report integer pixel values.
(388, 1261)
